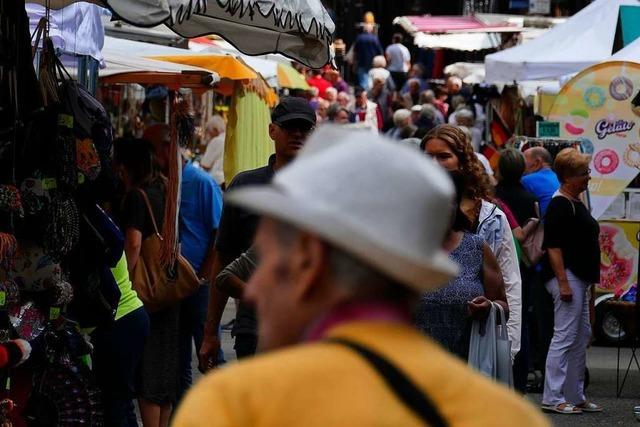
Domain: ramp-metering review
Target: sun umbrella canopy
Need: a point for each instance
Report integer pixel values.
(291, 78)
(226, 66)
(299, 29)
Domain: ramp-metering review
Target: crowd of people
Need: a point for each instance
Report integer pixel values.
(319, 269)
(392, 95)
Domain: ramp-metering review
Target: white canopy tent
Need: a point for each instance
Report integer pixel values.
(631, 52)
(119, 59)
(583, 40)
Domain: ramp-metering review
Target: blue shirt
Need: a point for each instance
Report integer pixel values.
(200, 211)
(542, 184)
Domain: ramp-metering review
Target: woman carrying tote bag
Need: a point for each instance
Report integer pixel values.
(158, 374)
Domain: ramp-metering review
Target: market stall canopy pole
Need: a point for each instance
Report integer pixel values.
(299, 29)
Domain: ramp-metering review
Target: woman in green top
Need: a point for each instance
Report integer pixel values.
(118, 350)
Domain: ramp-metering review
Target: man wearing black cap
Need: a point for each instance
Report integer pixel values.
(292, 120)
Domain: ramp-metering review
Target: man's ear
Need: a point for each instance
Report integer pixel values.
(309, 265)
(272, 131)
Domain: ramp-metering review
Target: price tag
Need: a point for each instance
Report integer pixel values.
(65, 120)
(3, 298)
(49, 183)
(54, 313)
(80, 178)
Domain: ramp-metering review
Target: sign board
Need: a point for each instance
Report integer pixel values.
(542, 7)
(548, 129)
(600, 107)
(618, 256)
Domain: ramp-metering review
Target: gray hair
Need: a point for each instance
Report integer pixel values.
(331, 90)
(464, 117)
(216, 123)
(379, 61)
(429, 112)
(401, 116)
(334, 109)
(350, 273)
(542, 154)
(427, 97)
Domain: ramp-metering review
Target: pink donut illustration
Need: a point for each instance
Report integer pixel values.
(606, 161)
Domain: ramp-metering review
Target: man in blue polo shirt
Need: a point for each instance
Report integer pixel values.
(200, 212)
(539, 179)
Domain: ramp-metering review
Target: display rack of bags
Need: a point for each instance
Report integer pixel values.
(56, 245)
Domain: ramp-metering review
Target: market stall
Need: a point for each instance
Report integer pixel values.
(584, 39)
(247, 142)
(299, 29)
(57, 246)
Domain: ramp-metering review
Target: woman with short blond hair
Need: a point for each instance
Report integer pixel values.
(570, 267)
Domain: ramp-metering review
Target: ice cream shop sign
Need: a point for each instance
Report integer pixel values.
(600, 107)
(606, 127)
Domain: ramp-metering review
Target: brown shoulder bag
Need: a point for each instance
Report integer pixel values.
(159, 287)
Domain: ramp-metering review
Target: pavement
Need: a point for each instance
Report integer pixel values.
(601, 362)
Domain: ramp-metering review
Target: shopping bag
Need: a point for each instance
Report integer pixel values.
(490, 348)
(503, 349)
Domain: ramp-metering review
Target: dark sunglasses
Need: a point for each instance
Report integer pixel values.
(297, 126)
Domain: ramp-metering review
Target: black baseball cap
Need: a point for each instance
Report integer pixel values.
(293, 108)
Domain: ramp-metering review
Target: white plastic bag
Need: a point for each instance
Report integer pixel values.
(490, 348)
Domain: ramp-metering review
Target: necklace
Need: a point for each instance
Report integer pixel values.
(569, 196)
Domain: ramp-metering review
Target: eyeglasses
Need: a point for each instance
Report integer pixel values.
(293, 127)
(585, 173)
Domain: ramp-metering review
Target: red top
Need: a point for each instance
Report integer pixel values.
(319, 82)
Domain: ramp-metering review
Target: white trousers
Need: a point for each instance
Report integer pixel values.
(566, 360)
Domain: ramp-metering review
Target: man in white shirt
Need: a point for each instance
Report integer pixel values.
(398, 60)
(212, 160)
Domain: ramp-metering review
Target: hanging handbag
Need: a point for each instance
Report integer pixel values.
(504, 365)
(490, 348)
(532, 246)
(159, 287)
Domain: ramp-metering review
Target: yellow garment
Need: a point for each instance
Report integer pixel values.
(247, 143)
(129, 300)
(324, 384)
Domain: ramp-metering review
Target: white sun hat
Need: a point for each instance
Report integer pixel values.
(386, 204)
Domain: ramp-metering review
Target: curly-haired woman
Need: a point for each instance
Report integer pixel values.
(449, 146)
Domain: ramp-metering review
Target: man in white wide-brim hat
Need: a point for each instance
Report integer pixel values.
(350, 237)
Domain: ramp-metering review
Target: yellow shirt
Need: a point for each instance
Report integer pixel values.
(324, 384)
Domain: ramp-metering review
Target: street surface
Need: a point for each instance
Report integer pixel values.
(602, 366)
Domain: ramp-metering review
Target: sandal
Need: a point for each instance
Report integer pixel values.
(562, 408)
(590, 407)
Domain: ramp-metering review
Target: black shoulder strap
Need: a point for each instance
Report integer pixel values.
(399, 383)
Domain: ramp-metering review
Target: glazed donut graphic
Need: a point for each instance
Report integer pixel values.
(606, 161)
(632, 156)
(594, 97)
(621, 88)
